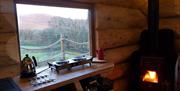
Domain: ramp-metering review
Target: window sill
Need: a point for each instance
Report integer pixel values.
(41, 69)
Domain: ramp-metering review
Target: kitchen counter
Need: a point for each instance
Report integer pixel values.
(65, 77)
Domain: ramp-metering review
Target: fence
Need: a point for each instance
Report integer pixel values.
(61, 43)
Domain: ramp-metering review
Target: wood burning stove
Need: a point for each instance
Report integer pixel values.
(156, 75)
(155, 69)
(154, 65)
(158, 66)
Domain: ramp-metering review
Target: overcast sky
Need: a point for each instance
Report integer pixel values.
(25, 9)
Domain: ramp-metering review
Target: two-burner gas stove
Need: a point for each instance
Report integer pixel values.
(68, 64)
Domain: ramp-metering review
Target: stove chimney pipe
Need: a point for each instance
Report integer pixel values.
(153, 21)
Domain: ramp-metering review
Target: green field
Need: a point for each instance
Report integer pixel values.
(48, 54)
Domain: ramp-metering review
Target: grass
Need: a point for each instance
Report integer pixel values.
(48, 54)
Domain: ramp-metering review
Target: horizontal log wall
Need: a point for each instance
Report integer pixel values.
(110, 26)
(117, 32)
(114, 17)
(9, 52)
(117, 29)
(118, 24)
(112, 38)
(120, 54)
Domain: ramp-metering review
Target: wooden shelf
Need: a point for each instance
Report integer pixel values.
(65, 77)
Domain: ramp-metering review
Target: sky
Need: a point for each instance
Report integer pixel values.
(73, 13)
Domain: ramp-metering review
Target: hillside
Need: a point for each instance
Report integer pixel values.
(35, 21)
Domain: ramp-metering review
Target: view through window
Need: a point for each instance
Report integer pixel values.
(52, 33)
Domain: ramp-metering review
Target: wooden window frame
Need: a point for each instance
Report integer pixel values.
(68, 4)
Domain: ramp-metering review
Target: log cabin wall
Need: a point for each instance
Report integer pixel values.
(9, 52)
(118, 24)
(117, 28)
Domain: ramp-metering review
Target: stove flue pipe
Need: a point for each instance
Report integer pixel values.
(153, 21)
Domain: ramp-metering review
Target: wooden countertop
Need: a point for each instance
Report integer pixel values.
(65, 76)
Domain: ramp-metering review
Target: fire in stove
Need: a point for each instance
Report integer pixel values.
(150, 76)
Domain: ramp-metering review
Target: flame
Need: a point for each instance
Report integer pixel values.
(151, 76)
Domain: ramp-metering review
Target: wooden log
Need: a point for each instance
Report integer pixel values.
(6, 61)
(3, 52)
(142, 6)
(7, 23)
(6, 6)
(117, 37)
(9, 46)
(114, 17)
(133, 4)
(1, 23)
(8, 34)
(5, 37)
(12, 49)
(172, 23)
(177, 8)
(2, 47)
(9, 53)
(119, 69)
(167, 8)
(121, 54)
(137, 4)
(109, 2)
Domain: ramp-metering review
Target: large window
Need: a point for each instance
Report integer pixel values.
(53, 33)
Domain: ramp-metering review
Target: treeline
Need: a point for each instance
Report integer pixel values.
(75, 30)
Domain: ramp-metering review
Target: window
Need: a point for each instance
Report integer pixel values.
(53, 33)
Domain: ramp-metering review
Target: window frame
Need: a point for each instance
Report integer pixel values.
(68, 4)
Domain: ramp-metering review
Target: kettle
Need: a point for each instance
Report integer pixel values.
(100, 54)
(28, 67)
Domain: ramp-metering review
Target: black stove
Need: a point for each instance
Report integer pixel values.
(154, 64)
